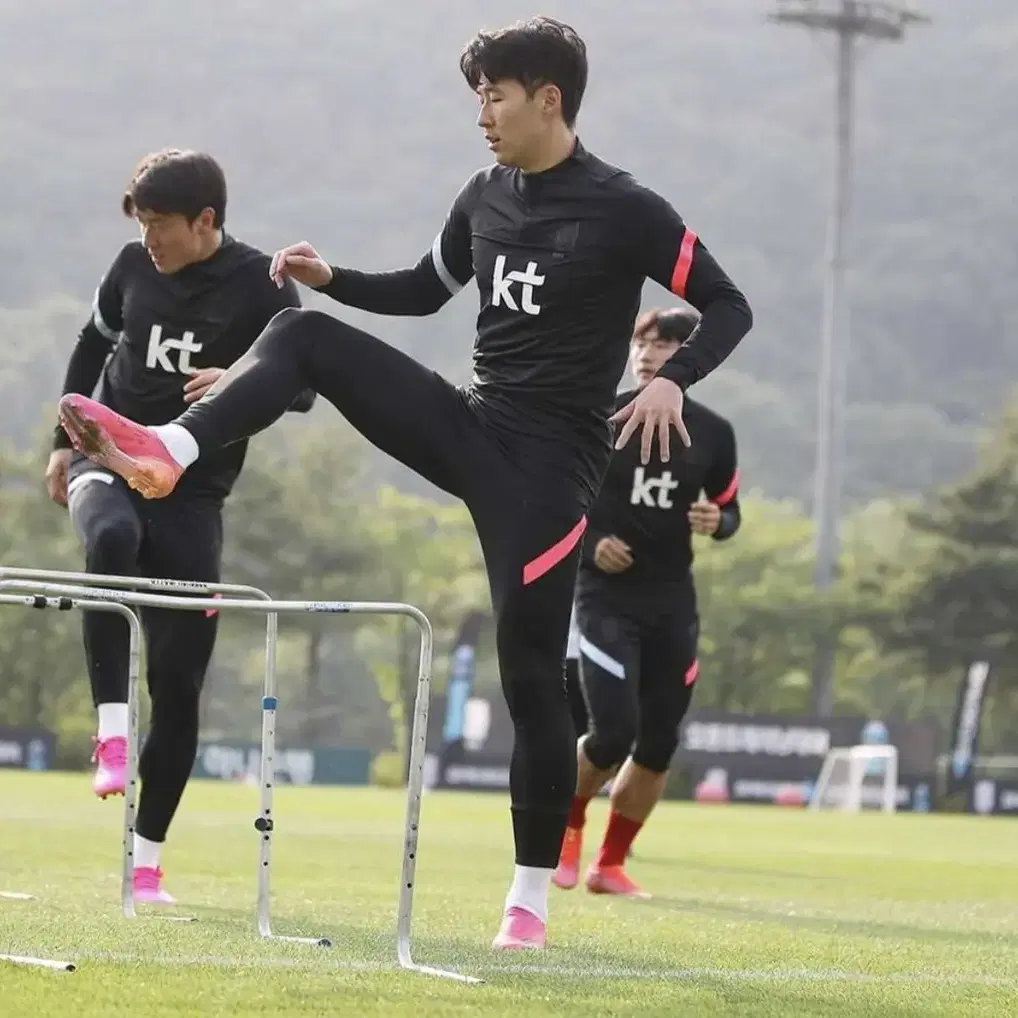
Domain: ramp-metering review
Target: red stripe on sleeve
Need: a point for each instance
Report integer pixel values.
(730, 492)
(684, 264)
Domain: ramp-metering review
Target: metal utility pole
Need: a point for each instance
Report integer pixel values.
(849, 21)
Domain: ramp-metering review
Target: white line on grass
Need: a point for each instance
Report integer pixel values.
(573, 971)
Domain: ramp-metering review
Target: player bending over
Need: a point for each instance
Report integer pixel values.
(173, 311)
(560, 244)
(636, 611)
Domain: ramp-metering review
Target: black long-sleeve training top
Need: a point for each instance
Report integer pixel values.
(560, 258)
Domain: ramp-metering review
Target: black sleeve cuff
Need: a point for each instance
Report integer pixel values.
(730, 519)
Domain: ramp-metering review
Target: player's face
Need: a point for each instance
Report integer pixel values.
(513, 122)
(649, 353)
(172, 241)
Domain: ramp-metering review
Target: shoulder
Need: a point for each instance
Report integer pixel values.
(480, 180)
(129, 261)
(245, 257)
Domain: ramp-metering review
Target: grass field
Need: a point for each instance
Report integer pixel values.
(757, 912)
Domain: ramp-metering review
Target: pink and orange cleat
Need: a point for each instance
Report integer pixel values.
(118, 444)
(567, 874)
(110, 758)
(520, 931)
(613, 880)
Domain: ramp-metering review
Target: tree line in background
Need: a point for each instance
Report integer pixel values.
(927, 586)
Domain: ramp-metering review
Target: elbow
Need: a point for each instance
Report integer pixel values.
(741, 311)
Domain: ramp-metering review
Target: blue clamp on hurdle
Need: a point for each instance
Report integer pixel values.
(270, 702)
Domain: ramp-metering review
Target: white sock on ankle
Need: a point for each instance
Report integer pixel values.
(146, 853)
(112, 720)
(529, 891)
(179, 442)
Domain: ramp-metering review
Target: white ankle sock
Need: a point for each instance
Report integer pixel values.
(179, 442)
(146, 853)
(112, 720)
(529, 891)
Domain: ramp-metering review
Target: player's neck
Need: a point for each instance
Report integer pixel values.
(211, 245)
(557, 148)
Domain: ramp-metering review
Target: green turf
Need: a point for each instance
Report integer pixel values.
(757, 912)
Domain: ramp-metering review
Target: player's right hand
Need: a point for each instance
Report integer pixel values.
(302, 263)
(612, 555)
(56, 475)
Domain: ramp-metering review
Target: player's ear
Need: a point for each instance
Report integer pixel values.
(550, 99)
(206, 219)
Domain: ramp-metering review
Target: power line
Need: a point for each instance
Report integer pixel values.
(848, 21)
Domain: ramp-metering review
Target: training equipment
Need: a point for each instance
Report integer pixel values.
(70, 590)
(858, 776)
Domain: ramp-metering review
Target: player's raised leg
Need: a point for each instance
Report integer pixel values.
(108, 525)
(396, 403)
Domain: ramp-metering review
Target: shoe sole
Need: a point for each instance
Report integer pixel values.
(146, 476)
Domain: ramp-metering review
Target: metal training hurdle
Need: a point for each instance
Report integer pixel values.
(259, 601)
(134, 626)
(28, 579)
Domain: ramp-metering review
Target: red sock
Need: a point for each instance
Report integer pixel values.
(577, 813)
(617, 838)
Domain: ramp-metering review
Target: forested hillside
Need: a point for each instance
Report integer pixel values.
(347, 124)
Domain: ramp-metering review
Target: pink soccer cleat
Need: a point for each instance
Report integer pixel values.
(148, 886)
(110, 758)
(521, 931)
(128, 449)
(567, 874)
(613, 880)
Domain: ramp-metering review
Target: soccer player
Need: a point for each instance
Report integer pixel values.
(560, 244)
(171, 314)
(636, 610)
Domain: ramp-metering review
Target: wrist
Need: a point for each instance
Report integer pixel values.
(676, 372)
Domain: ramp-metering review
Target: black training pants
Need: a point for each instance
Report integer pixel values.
(177, 538)
(529, 520)
(638, 669)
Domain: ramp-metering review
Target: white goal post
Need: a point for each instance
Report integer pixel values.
(853, 777)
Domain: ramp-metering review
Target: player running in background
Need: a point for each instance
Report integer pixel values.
(560, 244)
(636, 611)
(173, 311)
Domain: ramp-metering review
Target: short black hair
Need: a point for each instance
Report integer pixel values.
(541, 51)
(177, 182)
(677, 323)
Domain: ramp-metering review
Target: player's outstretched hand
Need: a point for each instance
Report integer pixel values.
(302, 263)
(658, 407)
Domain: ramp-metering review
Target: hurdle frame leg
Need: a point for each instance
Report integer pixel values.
(412, 824)
(265, 822)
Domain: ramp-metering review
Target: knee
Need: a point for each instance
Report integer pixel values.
(296, 322)
(655, 748)
(608, 745)
(112, 546)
